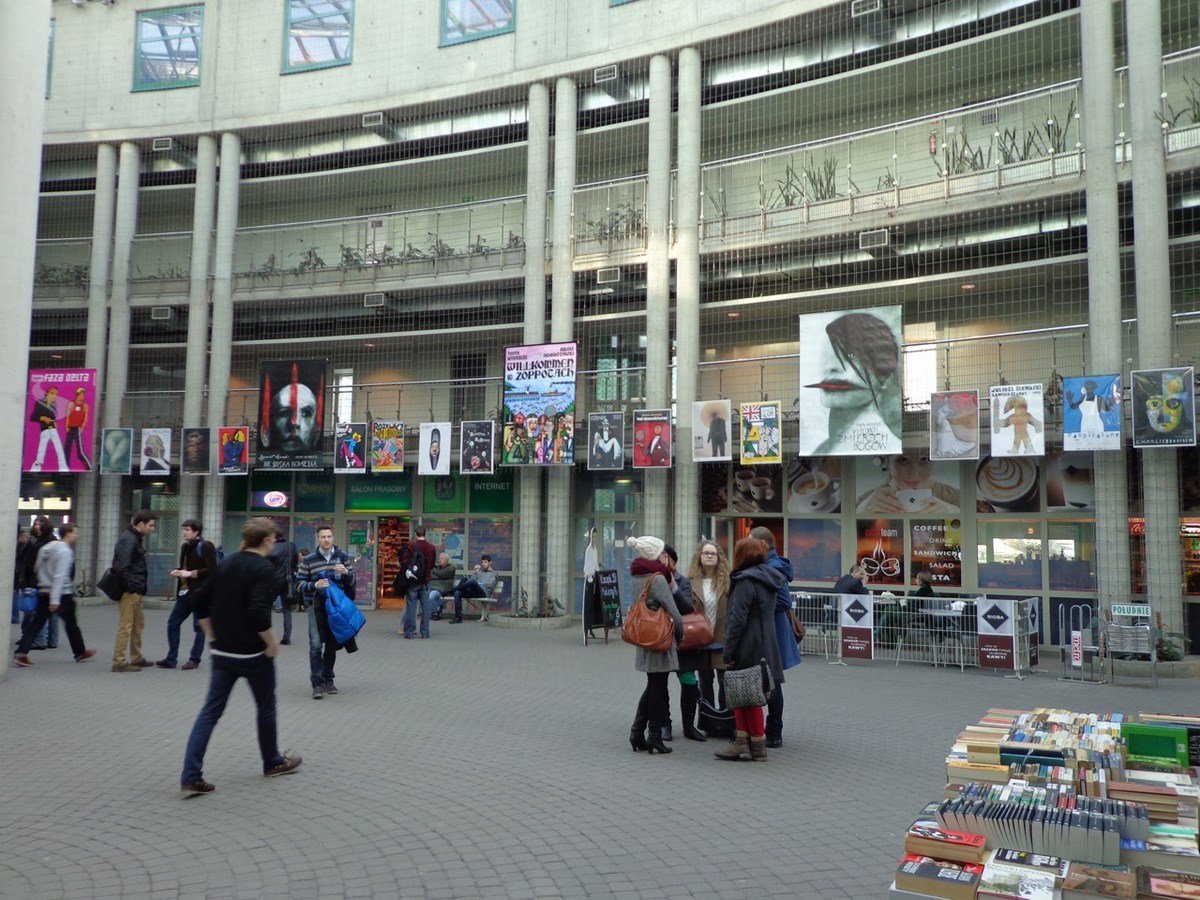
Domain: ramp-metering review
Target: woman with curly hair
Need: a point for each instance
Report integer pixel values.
(709, 574)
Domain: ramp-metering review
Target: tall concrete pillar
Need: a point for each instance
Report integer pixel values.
(687, 300)
(656, 482)
(560, 535)
(1152, 264)
(191, 487)
(88, 552)
(532, 527)
(1104, 286)
(112, 516)
(228, 191)
(24, 43)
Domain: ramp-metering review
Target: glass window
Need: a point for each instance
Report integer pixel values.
(1009, 554)
(320, 34)
(1071, 547)
(168, 48)
(468, 20)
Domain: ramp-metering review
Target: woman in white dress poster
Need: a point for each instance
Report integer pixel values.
(955, 415)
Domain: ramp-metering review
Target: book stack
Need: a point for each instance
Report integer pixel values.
(922, 876)
(1173, 846)
(1086, 881)
(1007, 881)
(1163, 802)
(927, 837)
(1154, 883)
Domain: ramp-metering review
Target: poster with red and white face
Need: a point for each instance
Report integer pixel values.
(651, 438)
(59, 428)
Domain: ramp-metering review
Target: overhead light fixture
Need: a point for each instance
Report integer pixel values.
(968, 287)
(733, 315)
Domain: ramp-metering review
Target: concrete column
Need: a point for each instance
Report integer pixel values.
(1160, 480)
(687, 300)
(656, 482)
(112, 515)
(1104, 286)
(191, 487)
(531, 529)
(560, 537)
(87, 549)
(24, 43)
(228, 189)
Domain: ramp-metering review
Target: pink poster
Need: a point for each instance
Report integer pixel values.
(59, 430)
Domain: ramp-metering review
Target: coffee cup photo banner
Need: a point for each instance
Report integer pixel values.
(1018, 413)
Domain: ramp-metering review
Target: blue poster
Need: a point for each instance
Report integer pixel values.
(1092, 412)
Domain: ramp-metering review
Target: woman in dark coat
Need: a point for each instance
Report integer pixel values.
(749, 638)
(649, 572)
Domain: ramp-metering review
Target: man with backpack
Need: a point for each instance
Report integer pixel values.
(197, 561)
(416, 565)
(285, 558)
(324, 566)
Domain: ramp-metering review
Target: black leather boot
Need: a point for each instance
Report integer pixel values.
(689, 699)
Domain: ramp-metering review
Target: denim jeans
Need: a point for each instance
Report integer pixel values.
(775, 713)
(320, 657)
(468, 587)
(281, 605)
(434, 602)
(259, 672)
(416, 598)
(179, 614)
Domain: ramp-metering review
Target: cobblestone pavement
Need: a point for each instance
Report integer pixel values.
(484, 762)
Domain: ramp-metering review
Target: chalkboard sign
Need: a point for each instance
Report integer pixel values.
(601, 603)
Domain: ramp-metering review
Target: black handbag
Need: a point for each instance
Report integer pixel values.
(109, 584)
(715, 721)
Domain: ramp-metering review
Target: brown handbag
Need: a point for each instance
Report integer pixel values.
(798, 629)
(647, 628)
(697, 631)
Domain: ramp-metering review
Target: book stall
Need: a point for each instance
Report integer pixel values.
(1049, 804)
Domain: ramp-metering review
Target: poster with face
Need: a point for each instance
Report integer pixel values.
(907, 484)
(539, 404)
(1164, 408)
(349, 448)
(155, 456)
(1092, 412)
(476, 447)
(651, 438)
(234, 452)
(387, 447)
(292, 414)
(850, 383)
(59, 430)
(116, 451)
(954, 425)
(761, 441)
(197, 451)
(710, 431)
(433, 452)
(1018, 417)
(606, 441)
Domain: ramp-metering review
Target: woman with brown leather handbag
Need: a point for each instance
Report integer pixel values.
(651, 581)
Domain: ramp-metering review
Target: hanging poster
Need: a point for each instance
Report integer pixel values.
(761, 441)
(539, 404)
(291, 420)
(937, 549)
(1007, 485)
(476, 447)
(1164, 408)
(348, 448)
(850, 382)
(710, 431)
(433, 456)
(757, 489)
(59, 432)
(197, 451)
(116, 451)
(1018, 414)
(880, 550)
(606, 441)
(234, 450)
(1092, 412)
(155, 457)
(954, 425)
(387, 446)
(651, 438)
(814, 486)
(1069, 480)
(907, 483)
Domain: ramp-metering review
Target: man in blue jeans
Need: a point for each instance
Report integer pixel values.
(327, 564)
(416, 592)
(477, 584)
(234, 611)
(197, 561)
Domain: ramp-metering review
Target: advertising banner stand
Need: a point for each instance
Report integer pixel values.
(601, 604)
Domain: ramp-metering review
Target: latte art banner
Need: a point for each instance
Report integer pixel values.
(1007, 485)
(1018, 420)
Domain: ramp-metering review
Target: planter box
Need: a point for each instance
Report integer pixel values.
(510, 621)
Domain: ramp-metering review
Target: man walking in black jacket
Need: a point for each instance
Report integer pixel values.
(234, 610)
(197, 561)
(129, 562)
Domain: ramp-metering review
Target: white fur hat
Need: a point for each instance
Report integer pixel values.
(646, 547)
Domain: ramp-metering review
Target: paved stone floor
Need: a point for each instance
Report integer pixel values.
(481, 763)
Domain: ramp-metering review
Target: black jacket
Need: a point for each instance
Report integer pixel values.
(750, 626)
(237, 599)
(129, 561)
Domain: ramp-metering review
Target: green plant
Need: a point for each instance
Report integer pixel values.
(960, 157)
(821, 179)
(1190, 109)
(1170, 646)
(76, 274)
(887, 181)
(438, 248)
(788, 190)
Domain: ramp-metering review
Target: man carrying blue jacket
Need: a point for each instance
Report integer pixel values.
(789, 651)
(327, 564)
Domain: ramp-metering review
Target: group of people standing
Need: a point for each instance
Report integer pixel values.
(747, 609)
(428, 582)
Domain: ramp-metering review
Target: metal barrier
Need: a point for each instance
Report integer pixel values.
(1083, 655)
